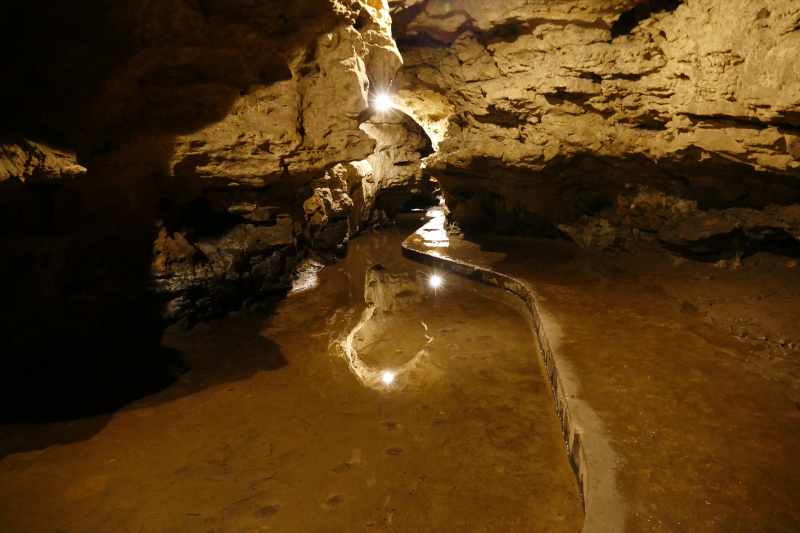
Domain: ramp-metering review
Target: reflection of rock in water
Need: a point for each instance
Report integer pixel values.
(390, 337)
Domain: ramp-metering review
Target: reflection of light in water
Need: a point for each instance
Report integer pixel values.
(433, 232)
(378, 296)
(375, 378)
(435, 281)
(383, 102)
(306, 275)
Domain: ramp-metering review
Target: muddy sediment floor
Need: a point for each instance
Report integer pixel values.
(368, 401)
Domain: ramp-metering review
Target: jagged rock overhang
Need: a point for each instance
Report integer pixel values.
(637, 86)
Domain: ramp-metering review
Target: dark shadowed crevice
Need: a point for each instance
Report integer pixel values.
(508, 32)
(629, 20)
(500, 118)
(422, 40)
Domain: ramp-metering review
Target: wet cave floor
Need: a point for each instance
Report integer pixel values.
(682, 378)
(286, 421)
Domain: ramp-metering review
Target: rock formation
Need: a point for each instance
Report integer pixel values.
(609, 122)
(158, 162)
(171, 160)
(398, 172)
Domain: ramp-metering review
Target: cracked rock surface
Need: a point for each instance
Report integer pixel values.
(560, 109)
(177, 159)
(158, 160)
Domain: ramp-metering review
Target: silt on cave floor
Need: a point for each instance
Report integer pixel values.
(272, 429)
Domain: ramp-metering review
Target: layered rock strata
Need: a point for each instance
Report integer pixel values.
(178, 158)
(399, 177)
(612, 121)
(157, 158)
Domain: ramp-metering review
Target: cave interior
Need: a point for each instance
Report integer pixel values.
(411, 265)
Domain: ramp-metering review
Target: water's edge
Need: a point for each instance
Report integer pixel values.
(592, 459)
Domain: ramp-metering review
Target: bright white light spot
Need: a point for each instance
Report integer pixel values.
(436, 281)
(383, 102)
(388, 377)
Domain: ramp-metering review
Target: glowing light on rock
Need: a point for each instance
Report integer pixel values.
(388, 377)
(435, 281)
(383, 102)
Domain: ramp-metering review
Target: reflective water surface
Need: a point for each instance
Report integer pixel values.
(386, 397)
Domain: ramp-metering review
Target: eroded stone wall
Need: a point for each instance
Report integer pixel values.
(157, 160)
(175, 159)
(611, 122)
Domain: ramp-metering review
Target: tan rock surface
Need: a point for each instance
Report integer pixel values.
(184, 125)
(191, 132)
(558, 107)
(25, 160)
(398, 174)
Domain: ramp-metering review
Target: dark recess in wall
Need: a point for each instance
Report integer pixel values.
(629, 20)
(80, 322)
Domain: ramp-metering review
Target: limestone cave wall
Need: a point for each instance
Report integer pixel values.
(613, 122)
(168, 161)
(158, 161)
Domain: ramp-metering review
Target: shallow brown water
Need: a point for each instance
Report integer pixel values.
(681, 378)
(285, 422)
